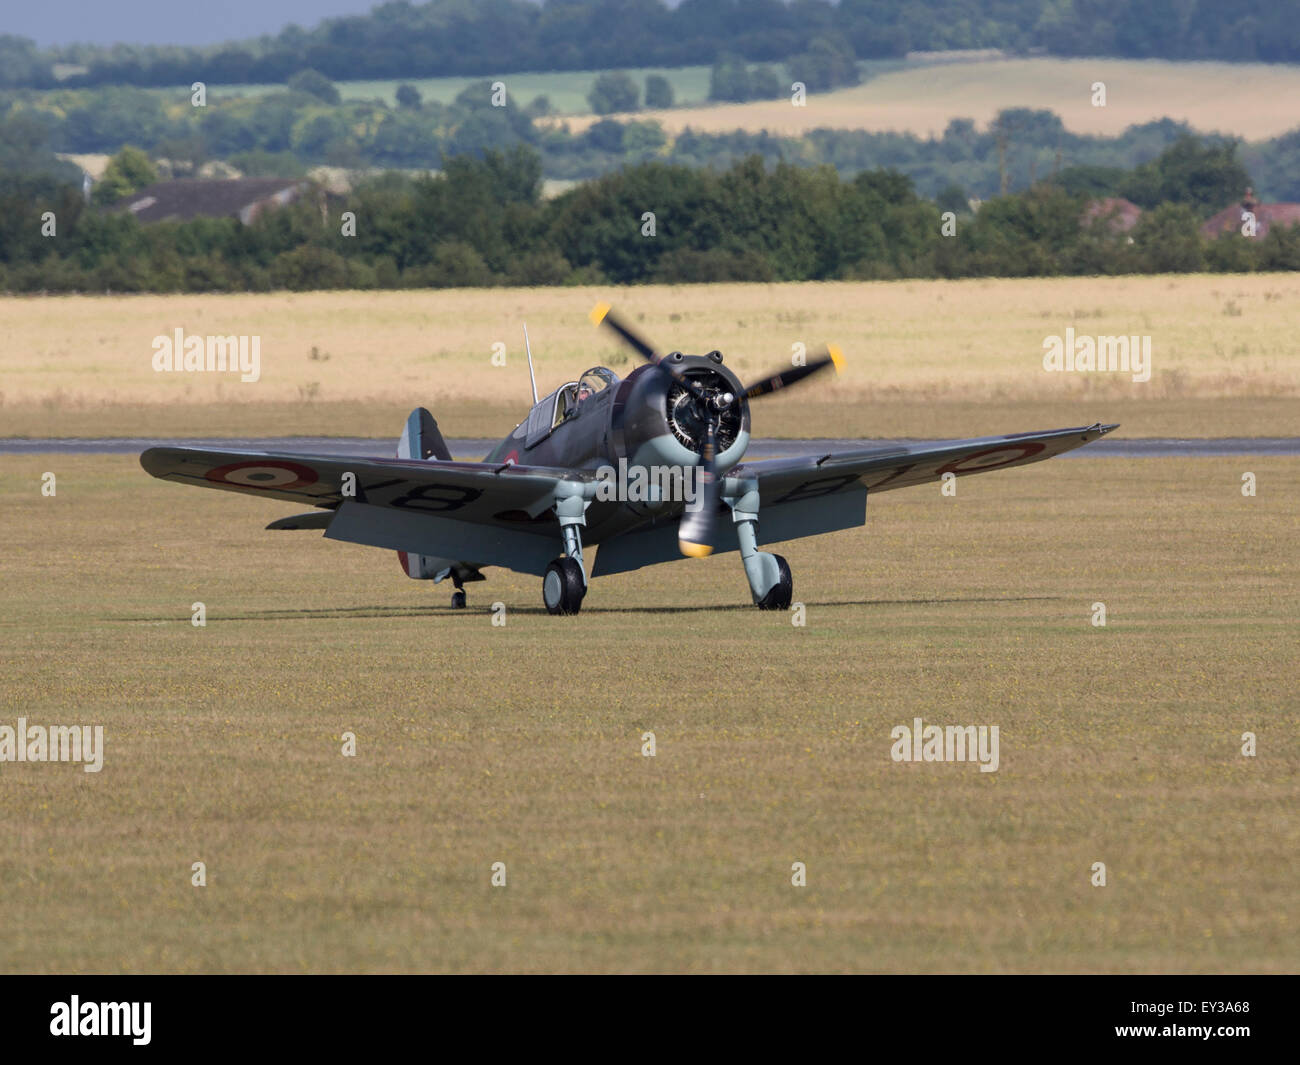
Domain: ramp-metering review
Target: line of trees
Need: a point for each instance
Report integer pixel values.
(483, 221)
(282, 134)
(445, 37)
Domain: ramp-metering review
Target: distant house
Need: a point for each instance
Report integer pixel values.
(1118, 214)
(242, 198)
(1232, 219)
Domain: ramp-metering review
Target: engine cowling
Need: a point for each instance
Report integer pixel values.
(658, 422)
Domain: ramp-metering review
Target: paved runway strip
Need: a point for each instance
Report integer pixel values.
(1110, 447)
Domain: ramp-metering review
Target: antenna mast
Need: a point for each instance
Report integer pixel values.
(528, 348)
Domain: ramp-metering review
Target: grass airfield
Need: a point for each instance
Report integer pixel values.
(521, 744)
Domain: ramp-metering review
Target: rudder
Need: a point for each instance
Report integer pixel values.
(421, 439)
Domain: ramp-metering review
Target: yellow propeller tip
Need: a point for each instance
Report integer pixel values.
(837, 357)
(598, 313)
(691, 550)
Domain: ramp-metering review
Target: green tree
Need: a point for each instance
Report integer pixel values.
(1206, 176)
(316, 84)
(729, 79)
(829, 63)
(312, 137)
(658, 91)
(953, 198)
(765, 84)
(606, 135)
(1168, 239)
(613, 91)
(408, 97)
(643, 138)
(128, 171)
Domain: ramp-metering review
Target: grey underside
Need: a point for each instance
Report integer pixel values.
(846, 509)
(530, 552)
(443, 538)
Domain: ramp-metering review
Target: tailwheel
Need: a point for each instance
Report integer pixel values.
(782, 592)
(563, 587)
(458, 599)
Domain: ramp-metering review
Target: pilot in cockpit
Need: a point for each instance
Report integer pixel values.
(590, 384)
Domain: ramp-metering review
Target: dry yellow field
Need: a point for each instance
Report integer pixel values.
(1251, 100)
(924, 358)
(522, 744)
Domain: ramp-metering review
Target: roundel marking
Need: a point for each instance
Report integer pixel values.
(263, 473)
(512, 458)
(1013, 452)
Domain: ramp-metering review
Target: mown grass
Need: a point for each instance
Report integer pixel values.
(521, 743)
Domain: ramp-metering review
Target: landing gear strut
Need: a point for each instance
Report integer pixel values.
(770, 583)
(458, 600)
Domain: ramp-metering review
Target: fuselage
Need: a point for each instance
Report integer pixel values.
(645, 420)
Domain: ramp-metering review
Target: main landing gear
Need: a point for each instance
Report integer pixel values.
(565, 582)
(458, 600)
(770, 583)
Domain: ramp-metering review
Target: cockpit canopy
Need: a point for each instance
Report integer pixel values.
(597, 379)
(565, 402)
(590, 384)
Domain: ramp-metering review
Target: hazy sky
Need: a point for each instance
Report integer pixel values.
(163, 21)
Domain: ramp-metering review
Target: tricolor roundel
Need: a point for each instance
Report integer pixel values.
(263, 473)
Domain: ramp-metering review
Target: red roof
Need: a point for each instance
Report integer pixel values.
(1120, 214)
(1230, 220)
(188, 198)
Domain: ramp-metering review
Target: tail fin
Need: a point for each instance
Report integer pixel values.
(421, 439)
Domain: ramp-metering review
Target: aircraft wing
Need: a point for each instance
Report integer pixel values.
(815, 494)
(476, 512)
(879, 469)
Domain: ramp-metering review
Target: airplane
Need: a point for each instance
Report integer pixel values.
(544, 493)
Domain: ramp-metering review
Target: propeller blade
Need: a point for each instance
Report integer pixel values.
(833, 357)
(695, 533)
(603, 314)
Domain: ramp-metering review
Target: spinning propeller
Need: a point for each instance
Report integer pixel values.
(696, 533)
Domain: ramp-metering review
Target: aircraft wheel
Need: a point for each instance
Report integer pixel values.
(458, 600)
(780, 594)
(562, 587)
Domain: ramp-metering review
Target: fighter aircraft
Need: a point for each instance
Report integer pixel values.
(545, 492)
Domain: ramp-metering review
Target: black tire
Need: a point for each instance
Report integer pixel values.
(458, 600)
(562, 587)
(782, 592)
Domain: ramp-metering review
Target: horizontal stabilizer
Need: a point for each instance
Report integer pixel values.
(313, 519)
